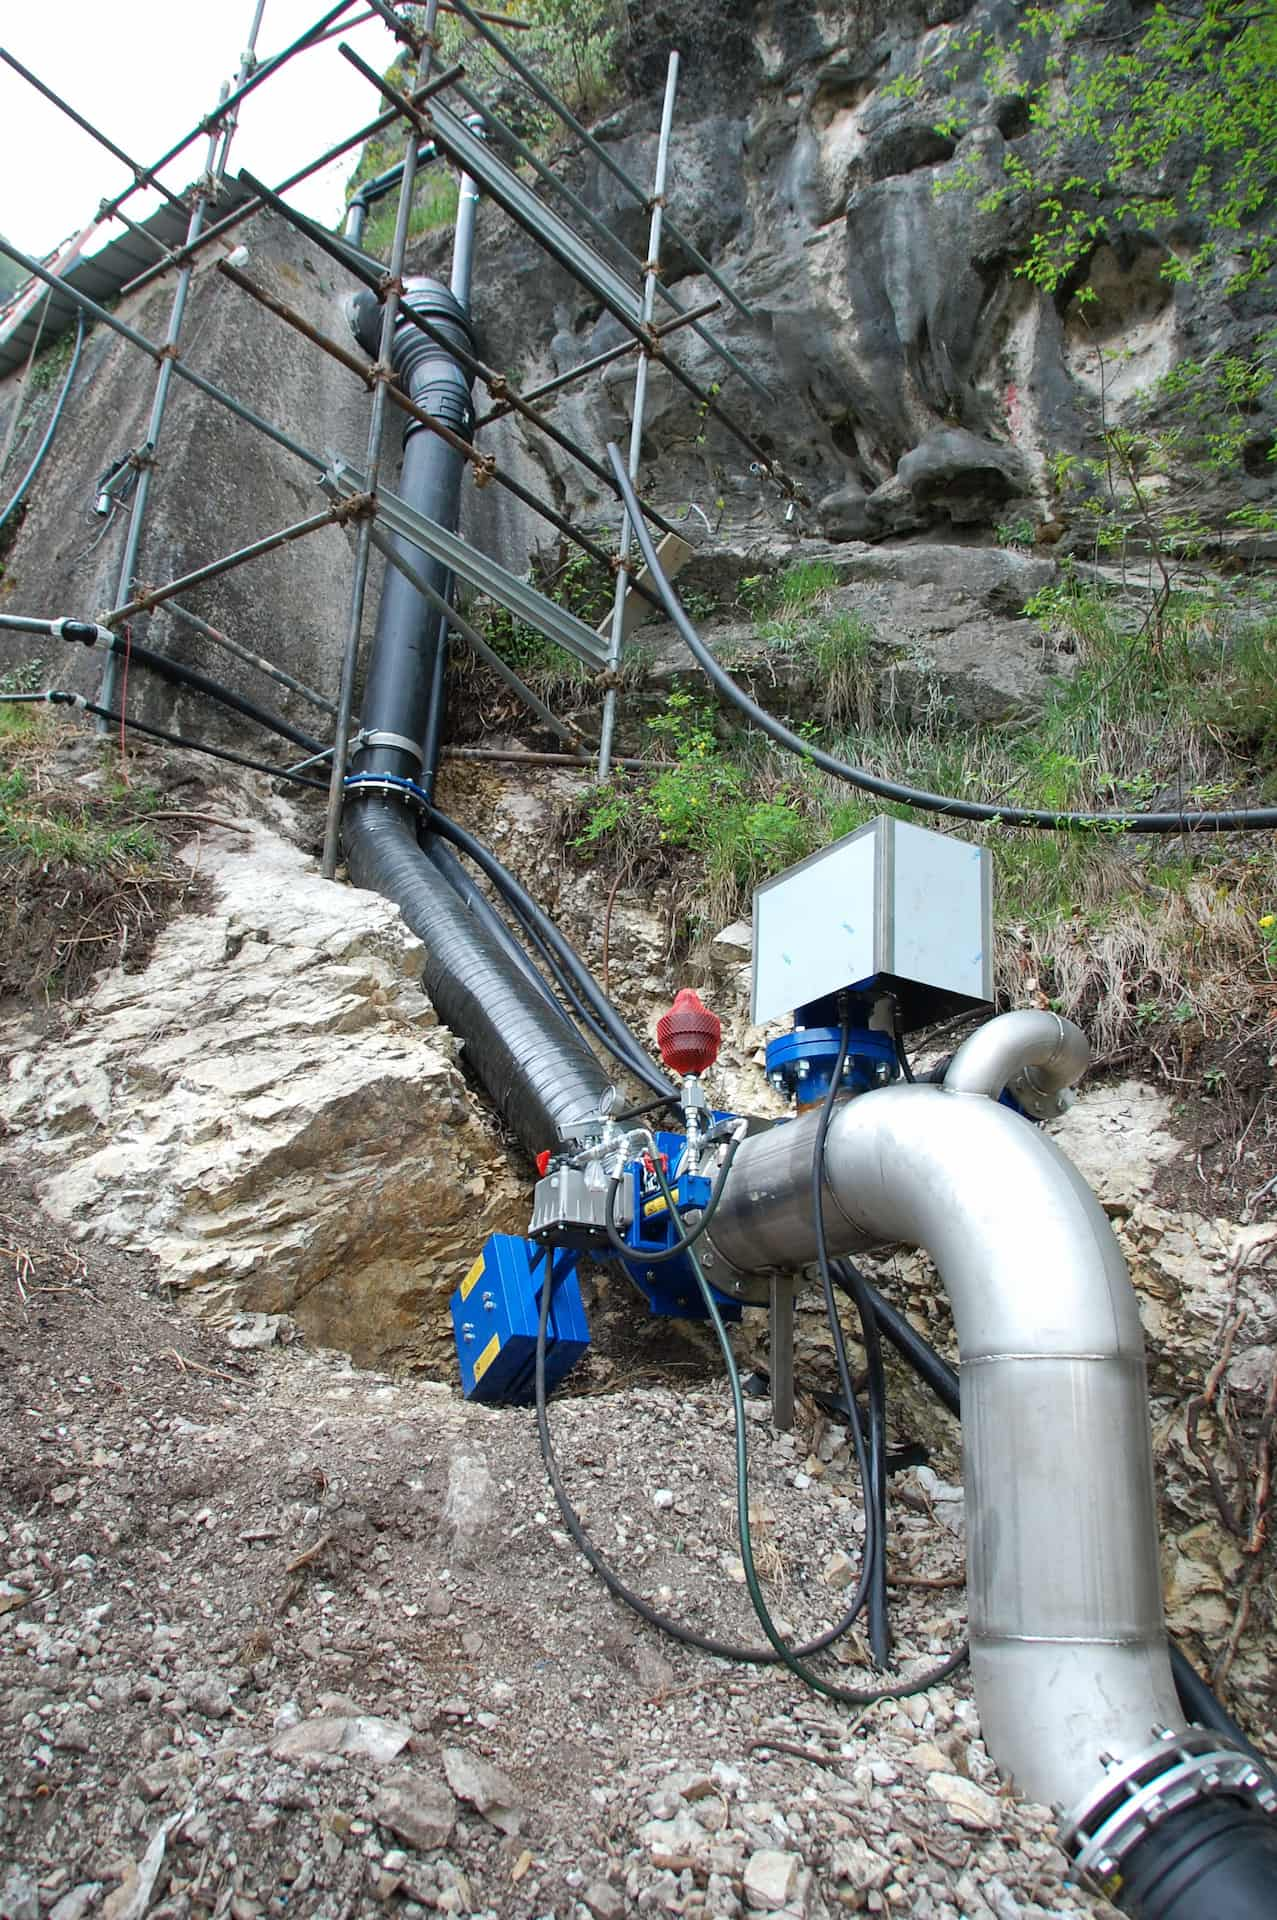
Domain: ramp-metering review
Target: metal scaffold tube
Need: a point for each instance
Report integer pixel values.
(651, 272)
(159, 403)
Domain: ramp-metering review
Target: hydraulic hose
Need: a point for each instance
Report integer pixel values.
(684, 1240)
(871, 1458)
(705, 1643)
(57, 697)
(441, 856)
(193, 681)
(1242, 819)
(47, 440)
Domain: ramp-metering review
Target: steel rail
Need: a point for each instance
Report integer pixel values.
(240, 214)
(650, 272)
(556, 106)
(141, 175)
(477, 569)
(459, 625)
(599, 227)
(595, 364)
(250, 659)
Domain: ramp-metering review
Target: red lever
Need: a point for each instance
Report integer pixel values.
(689, 1034)
(543, 1162)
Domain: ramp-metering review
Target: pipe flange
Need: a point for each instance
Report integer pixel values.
(391, 786)
(1135, 1796)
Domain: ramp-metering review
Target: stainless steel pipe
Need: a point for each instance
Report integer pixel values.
(1068, 1641)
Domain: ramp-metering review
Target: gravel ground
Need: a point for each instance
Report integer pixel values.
(281, 1636)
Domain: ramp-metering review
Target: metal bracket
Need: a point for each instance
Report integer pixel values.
(476, 569)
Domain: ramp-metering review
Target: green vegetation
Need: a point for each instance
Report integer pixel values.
(85, 872)
(1113, 114)
(1116, 930)
(571, 44)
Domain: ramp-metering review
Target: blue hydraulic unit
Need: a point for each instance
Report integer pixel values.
(670, 1286)
(495, 1315)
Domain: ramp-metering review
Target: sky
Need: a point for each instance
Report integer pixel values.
(144, 71)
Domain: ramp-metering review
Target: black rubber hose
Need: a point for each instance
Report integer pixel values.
(1243, 819)
(57, 698)
(441, 856)
(46, 442)
(535, 928)
(1213, 1860)
(531, 916)
(722, 1649)
(1197, 1699)
(873, 1566)
(645, 1258)
(192, 680)
(542, 1079)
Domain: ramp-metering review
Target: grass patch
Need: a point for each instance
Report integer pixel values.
(434, 205)
(1147, 942)
(86, 877)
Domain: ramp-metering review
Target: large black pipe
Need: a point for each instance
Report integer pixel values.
(1213, 1860)
(540, 1075)
(401, 674)
(543, 1080)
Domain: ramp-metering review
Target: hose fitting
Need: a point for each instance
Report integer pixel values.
(1181, 1828)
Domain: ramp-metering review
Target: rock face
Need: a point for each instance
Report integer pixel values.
(272, 1111)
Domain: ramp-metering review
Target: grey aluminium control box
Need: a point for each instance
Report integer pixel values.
(892, 908)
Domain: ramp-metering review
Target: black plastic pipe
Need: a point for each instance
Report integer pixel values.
(47, 440)
(445, 860)
(397, 697)
(565, 955)
(1213, 1860)
(543, 1080)
(1239, 819)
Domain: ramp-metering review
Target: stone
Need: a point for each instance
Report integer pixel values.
(364, 1736)
(19, 1899)
(771, 1879)
(604, 1901)
(470, 1506)
(860, 1865)
(78, 1902)
(967, 1803)
(840, 1570)
(280, 1167)
(484, 1787)
(418, 1810)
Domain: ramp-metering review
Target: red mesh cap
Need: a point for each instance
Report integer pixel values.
(689, 1034)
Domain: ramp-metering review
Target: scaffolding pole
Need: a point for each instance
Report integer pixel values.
(164, 380)
(651, 270)
(350, 509)
(376, 423)
(148, 347)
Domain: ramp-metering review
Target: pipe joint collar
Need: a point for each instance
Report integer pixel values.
(1178, 1770)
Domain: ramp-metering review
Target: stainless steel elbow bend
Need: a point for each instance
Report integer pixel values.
(1036, 1056)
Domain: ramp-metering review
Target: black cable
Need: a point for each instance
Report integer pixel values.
(530, 915)
(651, 1106)
(642, 1256)
(898, 1041)
(705, 1643)
(57, 698)
(1243, 819)
(873, 1566)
